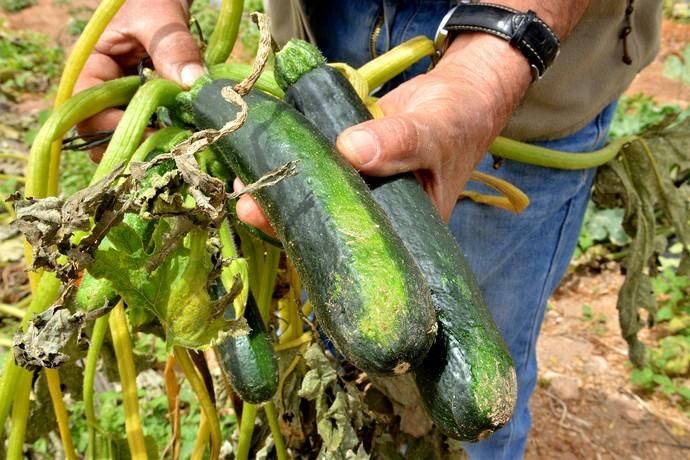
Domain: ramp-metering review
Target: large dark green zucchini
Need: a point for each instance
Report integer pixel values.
(368, 294)
(467, 382)
(248, 361)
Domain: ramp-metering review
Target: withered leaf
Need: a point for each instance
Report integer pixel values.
(48, 335)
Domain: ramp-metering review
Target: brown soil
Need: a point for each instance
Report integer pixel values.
(603, 415)
(652, 81)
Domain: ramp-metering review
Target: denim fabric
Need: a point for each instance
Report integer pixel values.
(518, 259)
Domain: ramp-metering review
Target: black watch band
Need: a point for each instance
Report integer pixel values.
(525, 31)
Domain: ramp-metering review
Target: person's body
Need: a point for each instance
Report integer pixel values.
(440, 125)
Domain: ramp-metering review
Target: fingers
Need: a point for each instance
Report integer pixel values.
(171, 46)
(249, 212)
(387, 146)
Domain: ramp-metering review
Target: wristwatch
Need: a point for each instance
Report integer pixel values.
(525, 31)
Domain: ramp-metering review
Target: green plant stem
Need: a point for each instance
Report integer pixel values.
(129, 131)
(163, 140)
(272, 417)
(6, 342)
(20, 416)
(235, 71)
(53, 378)
(531, 154)
(11, 310)
(100, 328)
(12, 177)
(201, 439)
(381, 69)
(225, 32)
(80, 107)
(73, 66)
(14, 156)
(246, 431)
(122, 344)
(269, 271)
(207, 406)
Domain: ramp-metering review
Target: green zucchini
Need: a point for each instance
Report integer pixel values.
(368, 294)
(467, 382)
(248, 361)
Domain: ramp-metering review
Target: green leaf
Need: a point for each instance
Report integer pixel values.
(643, 378)
(684, 391)
(665, 313)
(175, 291)
(678, 67)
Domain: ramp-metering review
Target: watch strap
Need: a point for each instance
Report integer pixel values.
(526, 31)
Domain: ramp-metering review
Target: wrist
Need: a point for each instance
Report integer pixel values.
(491, 68)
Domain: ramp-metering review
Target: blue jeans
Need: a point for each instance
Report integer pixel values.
(518, 259)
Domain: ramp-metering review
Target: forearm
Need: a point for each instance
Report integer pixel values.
(497, 73)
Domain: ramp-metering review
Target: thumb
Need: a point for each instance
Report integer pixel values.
(386, 146)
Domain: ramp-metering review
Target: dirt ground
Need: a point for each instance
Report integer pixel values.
(584, 406)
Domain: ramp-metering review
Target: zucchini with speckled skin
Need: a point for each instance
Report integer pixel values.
(467, 382)
(368, 294)
(248, 361)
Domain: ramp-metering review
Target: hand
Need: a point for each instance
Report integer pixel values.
(154, 28)
(438, 125)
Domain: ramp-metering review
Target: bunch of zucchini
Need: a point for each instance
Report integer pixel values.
(466, 379)
(387, 282)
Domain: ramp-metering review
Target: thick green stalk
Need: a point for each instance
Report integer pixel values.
(100, 328)
(225, 32)
(237, 72)
(11, 310)
(272, 416)
(540, 156)
(73, 67)
(246, 431)
(53, 378)
(163, 139)
(267, 280)
(20, 416)
(80, 107)
(129, 131)
(381, 69)
(207, 406)
(122, 344)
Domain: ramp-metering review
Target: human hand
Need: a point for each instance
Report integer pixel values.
(437, 125)
(154, 28)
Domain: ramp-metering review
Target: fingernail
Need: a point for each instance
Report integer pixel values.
(190, 73)
(362, 146)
